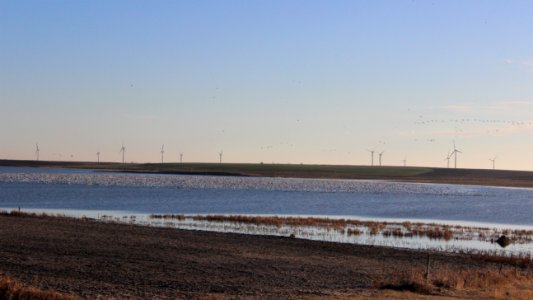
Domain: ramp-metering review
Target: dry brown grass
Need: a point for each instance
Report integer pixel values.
(12, 289)
(169, 217)
(504, 282)
(353, 231)
(434, 233)
(407, 225)
(337, 224)
(522, 261)
(396, 232)
(374, 228)
(387, 229)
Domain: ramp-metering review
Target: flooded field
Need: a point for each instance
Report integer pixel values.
(451, 218)
(476, 238)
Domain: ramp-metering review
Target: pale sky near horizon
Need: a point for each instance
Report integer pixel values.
(315, 82)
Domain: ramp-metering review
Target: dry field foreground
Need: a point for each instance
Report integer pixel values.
(94, 259)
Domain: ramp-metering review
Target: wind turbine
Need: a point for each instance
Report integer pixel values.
(404, 162)
(371, 156)
(447, 159)
(181, 157)
(162, 152)
(380, 155)
(454, 153)
(493, 160)
(220, 154)
(98, 156)
(123, 150)
(37, 150)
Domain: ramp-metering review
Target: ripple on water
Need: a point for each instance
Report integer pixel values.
(241, 183)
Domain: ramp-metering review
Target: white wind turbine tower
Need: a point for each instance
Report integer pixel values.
(37, 150)
(404, 162)
(380, 155)
(123, 150)
(162, 152)
(181, 157)
(454, 153)
(371, 156)
(98, 156)
(220, 154)
(447, 159)
(493, 160)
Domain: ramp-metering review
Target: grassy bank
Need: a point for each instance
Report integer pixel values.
(409, 174)
(273, 170)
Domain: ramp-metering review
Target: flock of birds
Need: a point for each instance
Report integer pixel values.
(479, 121)
(496, 125)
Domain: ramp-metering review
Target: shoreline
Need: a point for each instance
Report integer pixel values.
(76, 213)
(401, 234)
(96, 259)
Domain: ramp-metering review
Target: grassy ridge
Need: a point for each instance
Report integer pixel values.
(329, 171)
(242, 169)
(411, 174)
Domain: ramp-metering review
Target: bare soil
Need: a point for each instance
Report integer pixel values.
(95, 259)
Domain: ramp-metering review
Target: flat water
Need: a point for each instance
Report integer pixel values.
(132, 198)
(42, 188)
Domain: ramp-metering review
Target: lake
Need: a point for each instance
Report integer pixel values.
(65, 189)
(475, 216)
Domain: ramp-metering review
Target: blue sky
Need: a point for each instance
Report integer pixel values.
(272, 81)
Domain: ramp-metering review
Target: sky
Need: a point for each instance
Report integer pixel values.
(313, 82)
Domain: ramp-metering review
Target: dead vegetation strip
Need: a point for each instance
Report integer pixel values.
(353, 227)
(12, 289)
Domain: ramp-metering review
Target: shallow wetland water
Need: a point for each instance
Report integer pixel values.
(444, 217)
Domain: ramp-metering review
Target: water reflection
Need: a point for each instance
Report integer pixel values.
(139, 193)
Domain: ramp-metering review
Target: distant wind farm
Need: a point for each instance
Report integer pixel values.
(453, 154)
